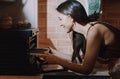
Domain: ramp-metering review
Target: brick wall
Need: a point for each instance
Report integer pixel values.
(51, 34)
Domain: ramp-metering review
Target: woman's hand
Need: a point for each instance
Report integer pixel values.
(49, 58)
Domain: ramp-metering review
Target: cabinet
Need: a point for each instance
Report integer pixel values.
(15, 46)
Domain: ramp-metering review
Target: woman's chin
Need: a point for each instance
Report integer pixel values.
(68, 31)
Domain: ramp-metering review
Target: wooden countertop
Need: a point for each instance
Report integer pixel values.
(20, 77)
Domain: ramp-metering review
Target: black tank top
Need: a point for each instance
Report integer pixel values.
(113, 50)
(106, 52)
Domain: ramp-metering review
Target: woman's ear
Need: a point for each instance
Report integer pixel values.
(70, 18)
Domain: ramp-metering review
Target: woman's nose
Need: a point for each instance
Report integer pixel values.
(62, 26)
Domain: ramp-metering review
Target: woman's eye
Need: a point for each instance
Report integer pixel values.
(59, 18)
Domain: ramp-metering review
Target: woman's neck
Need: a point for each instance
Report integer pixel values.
(81, 28)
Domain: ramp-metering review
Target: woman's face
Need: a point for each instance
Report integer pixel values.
(66, 22)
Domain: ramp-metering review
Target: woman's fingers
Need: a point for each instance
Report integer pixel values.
(49, 58)
(42, 55)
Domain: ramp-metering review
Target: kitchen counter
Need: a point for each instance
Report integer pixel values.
(97, 74)
(20, 77)
(61, 75)
(55, 76)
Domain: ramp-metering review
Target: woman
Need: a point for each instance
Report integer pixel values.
(102, 40)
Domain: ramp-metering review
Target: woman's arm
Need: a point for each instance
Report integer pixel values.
(94, 40)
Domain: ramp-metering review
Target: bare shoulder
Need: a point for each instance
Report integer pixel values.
(96, 32)
(103, 32)
(98, 28)
(94, 29)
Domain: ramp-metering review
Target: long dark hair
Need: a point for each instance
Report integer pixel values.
(76, 10)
